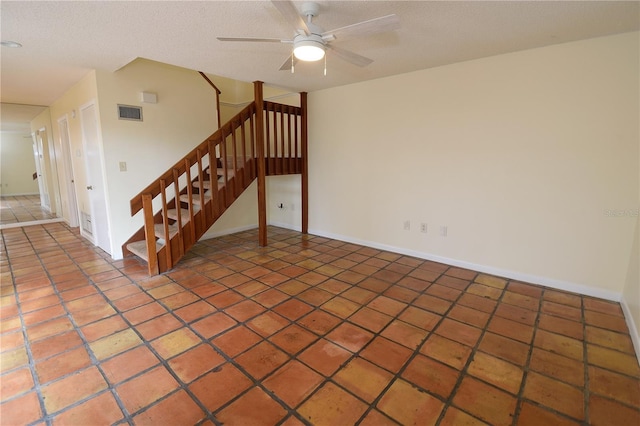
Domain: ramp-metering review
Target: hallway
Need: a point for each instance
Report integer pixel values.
(15, 210)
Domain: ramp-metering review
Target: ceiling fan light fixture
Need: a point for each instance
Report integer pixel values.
(308, 50)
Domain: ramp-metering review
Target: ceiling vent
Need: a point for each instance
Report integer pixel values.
(128, 112)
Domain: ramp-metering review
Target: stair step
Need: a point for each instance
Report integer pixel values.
(230, 172)
(207, 184)
(195, 198)
(139, 248)
(184, 213)
(159, 230)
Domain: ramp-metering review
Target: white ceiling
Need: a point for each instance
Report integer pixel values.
(63, 40)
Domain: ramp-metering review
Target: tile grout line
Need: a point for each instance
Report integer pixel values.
(94, 360)
(526, 368)
(464, 370)
(27, 342)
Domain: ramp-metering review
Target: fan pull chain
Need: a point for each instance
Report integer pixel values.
(325, 64)
(292, 67)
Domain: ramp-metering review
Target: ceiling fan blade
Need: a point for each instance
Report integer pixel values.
(270, 40)
(286, 65)
(351, 57)
(289, 11)
(365, 28)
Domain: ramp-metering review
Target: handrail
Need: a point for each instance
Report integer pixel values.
(210, 82)
(218, 93)
(168, 176)
(263, 139)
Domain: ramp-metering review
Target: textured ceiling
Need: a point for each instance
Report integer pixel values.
(63, 40)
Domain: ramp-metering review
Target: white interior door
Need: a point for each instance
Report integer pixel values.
(68, 178)
(95, 179)
(38, 152)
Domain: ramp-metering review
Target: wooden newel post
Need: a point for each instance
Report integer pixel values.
(305, 164)
(262, 180)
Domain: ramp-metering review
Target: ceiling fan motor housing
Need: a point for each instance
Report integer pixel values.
(308, 47)
(310, 8)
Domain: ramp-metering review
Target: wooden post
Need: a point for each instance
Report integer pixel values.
(305, 164)
(262, 180)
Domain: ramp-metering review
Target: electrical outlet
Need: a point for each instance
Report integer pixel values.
(443, 231)
(423, 228)
(406, 225)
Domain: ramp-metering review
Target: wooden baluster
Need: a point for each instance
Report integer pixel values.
(245, 165)
(288, 161)
(225, 172)
(192, 223)
(213, 180)
(296, 143)
(176, 199)
(165, 224)
(149, 234)
(201, 190)
(282, 133)
(253, 144)
(234, 152)
(267, 137)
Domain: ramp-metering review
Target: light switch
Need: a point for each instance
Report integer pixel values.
(123, 166)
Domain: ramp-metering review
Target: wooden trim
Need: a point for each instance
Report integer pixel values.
(262, 180)
(305, 164)
(150, 234)
(218, 92)
(165, 224)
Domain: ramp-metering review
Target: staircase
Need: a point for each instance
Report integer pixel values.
(263, 139)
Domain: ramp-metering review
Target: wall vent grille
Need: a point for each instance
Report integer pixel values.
(128, 112)
(86, 223)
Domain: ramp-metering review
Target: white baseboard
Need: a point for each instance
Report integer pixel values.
(35, 222)
(19, 195)
(533, 279)
(633, 330)
(209, 235)
(297, 228)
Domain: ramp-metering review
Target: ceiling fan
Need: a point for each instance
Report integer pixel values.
(310, 42)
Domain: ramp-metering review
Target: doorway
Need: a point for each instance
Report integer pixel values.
(98, 219)
(41, 168)
(69, 179)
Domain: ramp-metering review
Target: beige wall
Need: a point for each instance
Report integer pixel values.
(631, 292)
(17, 164)
(184, 115)
(521, 156)
(69, 105)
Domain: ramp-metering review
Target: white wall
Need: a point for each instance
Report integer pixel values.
(17, 164)
(519, 155)
(42, 124)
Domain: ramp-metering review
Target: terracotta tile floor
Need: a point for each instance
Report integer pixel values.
(22, 208)
(307, 330)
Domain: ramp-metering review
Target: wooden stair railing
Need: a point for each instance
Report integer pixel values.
(186, 200)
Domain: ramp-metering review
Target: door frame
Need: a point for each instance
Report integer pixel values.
(41, 169)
